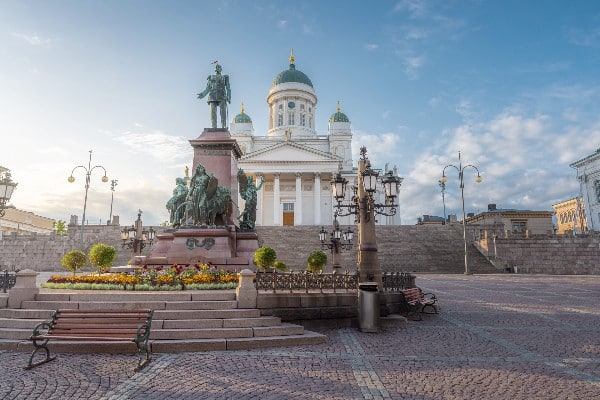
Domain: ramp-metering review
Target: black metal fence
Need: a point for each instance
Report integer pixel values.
(7, 280)
(306, 281)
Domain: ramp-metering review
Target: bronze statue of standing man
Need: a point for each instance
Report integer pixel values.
(219, 94)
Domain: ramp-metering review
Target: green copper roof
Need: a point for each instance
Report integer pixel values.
(292, 75)
(242, 118)
(339, 117)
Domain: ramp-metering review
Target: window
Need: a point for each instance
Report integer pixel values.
(310, 122)
(519, 226)
(302, 119)
(290, 119)
(281, 106)
(288, 207)
(279, 119)
(302, 107)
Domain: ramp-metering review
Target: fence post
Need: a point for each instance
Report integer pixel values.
(25, 288)
(246, 292)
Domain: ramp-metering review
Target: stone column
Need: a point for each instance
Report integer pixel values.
(298, 205)
(317, 198)
(276, 201)
(25, 288)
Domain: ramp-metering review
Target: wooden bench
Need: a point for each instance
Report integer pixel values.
(94, 326)
(417, 302)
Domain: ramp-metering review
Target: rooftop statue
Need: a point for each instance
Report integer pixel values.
(219, 94)
(248, 192)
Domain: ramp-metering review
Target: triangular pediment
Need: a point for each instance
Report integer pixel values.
(289, 152)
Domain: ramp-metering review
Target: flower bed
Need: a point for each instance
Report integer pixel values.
(175, 277)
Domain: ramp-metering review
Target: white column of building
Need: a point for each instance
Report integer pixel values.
(298, 205)
(317, 197)
(276, 201)
(259, 206)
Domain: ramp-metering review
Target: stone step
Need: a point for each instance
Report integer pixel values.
(15, 333)
(118, 295)
(206, 314)
(19, 323)
(216, 323)
(172, 346)
(128, 305)
(19, 313)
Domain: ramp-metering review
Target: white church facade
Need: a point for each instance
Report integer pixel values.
(296, 163)
(588, 174)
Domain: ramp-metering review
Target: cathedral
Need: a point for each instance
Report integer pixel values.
(297, 163)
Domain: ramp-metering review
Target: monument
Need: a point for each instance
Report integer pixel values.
(206, 224)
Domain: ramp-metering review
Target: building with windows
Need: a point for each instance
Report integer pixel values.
(295, 161)
(570, 216)
(588, 175)
(516, 222)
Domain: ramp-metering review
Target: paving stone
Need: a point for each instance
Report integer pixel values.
(497, 337)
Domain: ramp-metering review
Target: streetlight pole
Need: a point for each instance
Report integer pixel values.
(113, 183)
(88, 173)
(443, 186)
(478, 179)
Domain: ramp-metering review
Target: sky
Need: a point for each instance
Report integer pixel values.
(514, 86)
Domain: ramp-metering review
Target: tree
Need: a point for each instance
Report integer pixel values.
(60, 227)
(102, 256)
(265, 257)
(316, 261)
(73, 260)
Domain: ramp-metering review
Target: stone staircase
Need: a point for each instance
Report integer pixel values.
(410, 248)
(183, 321)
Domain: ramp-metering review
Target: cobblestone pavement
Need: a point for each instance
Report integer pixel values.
(497, 337)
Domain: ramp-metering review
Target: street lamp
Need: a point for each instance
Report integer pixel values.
(7, 186)
(338, 240)
(136, 238)
(478, 179)
(113, 183)
(363, 206)
(88, 173)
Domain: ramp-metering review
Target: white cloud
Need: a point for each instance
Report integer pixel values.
(412, 65)
(157, 144)
(34, 39)
(371, 46)
(281, 24)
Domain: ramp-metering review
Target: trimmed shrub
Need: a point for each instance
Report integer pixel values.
(316, 261)
(265, 257)
(73, 260)
(102, 256)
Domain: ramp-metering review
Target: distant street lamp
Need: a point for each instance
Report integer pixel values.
(7, 186)
(136, 237)
(478, 179)
(443, 186)
(338, 240)
(88, 173)
(113, 183)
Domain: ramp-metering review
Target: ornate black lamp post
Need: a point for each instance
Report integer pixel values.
(478, 179)
(338, 240)
(443, 186)
(7, 186)
(363, 206)
(88, 173)
(136, 237)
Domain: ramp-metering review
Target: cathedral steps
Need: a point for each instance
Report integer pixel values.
(409, 248)
(205, 321)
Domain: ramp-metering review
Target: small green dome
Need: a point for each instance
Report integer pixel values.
(242, 117)
(339, 116)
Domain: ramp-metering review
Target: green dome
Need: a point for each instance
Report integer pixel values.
(339, 117)
(292, 75)
(242, 118)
